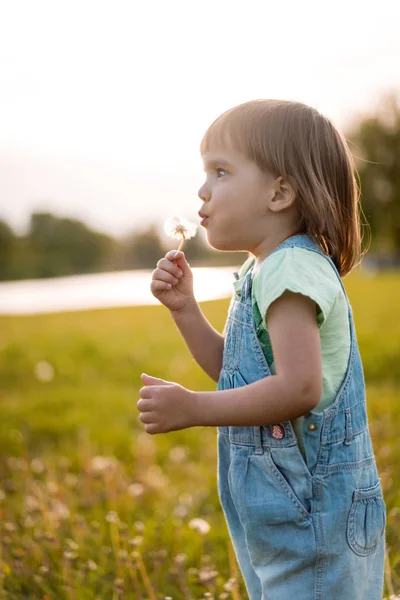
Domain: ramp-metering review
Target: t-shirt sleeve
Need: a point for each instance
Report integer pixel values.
(300, 271)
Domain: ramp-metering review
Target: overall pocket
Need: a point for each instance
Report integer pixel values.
(366, 521)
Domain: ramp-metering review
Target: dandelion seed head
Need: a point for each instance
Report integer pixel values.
(136, 541)
(71, 544)
(37, 466)
(112, 517)
(200, 525)
(179, 227)
(136, 489)
(59, 510)
(44, 371)
(100, 464)
(139, 525)
(178, 454)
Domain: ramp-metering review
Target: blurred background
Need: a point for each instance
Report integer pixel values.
(102, 108)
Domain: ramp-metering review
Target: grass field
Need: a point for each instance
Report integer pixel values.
(92, 507)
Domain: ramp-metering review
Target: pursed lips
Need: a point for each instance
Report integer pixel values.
(203, 218)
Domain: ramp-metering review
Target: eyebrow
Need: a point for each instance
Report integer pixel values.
(217, 162)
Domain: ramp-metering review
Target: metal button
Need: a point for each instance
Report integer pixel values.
(312, 427)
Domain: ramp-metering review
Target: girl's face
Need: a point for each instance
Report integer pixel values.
(236, 194)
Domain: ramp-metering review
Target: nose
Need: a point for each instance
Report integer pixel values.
(203, 193)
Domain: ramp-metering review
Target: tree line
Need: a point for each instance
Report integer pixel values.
(55, 246)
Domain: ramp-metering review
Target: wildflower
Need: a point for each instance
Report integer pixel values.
(103, 463)
(229, 585)
(91, 565)
(44, 371)
(180, 559)
(136, 541)
(59, 510)
(199, 525)
(136, 489)
(112, 517)
(180, 511)
(37, 466)
(2, 495)
(180, 228)
(178, 454)
(139, 525)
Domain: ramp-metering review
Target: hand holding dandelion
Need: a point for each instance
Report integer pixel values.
(180, 228)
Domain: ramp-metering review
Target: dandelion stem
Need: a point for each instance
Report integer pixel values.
(134, 577)
(145, 577)
(182, 242)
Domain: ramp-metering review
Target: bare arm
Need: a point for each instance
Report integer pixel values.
(172, 284)
(293, 391)
(203, 341)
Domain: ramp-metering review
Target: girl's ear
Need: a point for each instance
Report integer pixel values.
(283, 197)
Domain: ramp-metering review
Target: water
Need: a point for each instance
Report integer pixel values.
(103, 290)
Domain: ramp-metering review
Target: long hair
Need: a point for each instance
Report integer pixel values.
(295, 141)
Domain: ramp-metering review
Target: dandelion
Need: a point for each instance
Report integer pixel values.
(37, 466)
(180, 511)
(112, 517)
(136, 541)
(59, 510)
(180, 228)
(178, 454)
(136, 489)
(199, 525)
(99, 464)
(44, 371)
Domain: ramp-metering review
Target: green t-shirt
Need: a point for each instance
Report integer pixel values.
(310, 274)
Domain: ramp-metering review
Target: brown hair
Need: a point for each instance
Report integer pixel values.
(295, 141)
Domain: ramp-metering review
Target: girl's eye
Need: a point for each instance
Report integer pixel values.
(219, 170)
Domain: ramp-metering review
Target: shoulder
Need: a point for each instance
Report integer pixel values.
(299, 270)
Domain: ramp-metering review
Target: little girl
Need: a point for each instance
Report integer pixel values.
(297, 477)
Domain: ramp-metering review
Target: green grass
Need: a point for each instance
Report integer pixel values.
(77, 526)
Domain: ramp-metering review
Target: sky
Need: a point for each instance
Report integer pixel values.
(103, 104)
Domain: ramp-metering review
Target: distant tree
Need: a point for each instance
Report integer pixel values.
(8, 241)
(65, 246)
(375, 143)
(141, 250)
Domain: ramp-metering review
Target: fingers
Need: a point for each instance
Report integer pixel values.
(168, 264)
(149, 380)
(166, 273)
(145, 417)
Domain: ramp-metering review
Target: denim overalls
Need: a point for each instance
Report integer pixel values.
(302, 528)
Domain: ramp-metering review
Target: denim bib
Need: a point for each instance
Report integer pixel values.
(307, 526)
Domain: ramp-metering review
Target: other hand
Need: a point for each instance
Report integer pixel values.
(166, 406)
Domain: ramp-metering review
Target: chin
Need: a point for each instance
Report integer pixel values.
(222, 245)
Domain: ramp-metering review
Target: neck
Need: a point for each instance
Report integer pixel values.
(268, 245)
